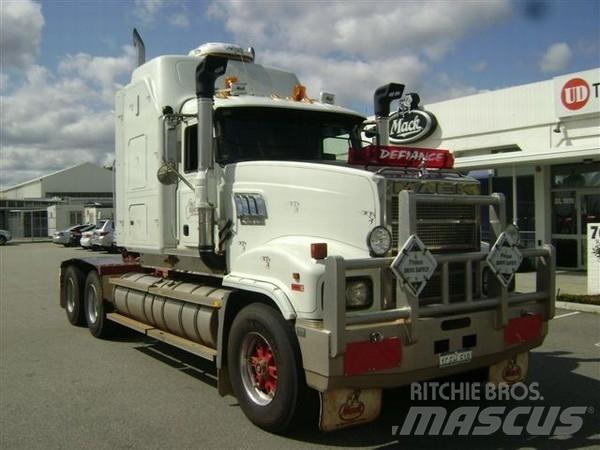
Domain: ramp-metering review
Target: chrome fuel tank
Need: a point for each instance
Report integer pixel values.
(187, 310)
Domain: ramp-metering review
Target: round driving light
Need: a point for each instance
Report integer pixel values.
(379, 241)
(359, 293)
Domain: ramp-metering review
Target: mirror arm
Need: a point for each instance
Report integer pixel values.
(181, 177)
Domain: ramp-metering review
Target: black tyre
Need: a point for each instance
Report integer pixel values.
(96, 308)
(73, 294)
(264, 366)
(2, 240)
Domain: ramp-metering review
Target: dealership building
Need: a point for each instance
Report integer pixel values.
(36, 208)
(539, 145)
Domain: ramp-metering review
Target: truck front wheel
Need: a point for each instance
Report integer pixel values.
(96, 307)
(263, 360)
(73, 295)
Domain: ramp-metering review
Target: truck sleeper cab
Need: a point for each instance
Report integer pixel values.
(257, 251)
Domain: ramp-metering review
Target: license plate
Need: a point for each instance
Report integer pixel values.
(455, 358)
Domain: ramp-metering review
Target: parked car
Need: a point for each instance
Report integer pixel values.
(103, 237)
(66, 237)
(86, 238)
(5, 236)
(76, 234)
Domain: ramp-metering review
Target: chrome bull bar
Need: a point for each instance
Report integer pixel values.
(336, 319)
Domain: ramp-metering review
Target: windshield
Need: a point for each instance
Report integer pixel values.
(250, 134)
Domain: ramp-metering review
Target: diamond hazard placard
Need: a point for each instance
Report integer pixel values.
(414, 265)
(505, 258)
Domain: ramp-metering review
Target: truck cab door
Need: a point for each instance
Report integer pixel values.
(187, 224)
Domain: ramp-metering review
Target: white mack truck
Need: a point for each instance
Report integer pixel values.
(248, 241)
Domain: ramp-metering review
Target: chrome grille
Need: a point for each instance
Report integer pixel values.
(442, 227)
(447, 236)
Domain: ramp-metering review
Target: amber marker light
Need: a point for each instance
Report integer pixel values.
(318, 250)
(299, 92)
(230, 81)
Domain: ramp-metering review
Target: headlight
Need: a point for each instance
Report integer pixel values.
(359, 293)
(379, 241)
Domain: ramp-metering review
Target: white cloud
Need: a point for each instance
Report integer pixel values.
(556, 58)
(479, 66)
(61, 119)
(4, 81)
(20, 33)
(367, 29)
(446, 88)
(350, 48)
(100, 70)
(146, 10)
(179, 20)
(352, 80)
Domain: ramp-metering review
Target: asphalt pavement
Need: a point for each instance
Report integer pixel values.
(61, 388)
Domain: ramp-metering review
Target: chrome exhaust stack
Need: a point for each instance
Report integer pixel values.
(208, 70)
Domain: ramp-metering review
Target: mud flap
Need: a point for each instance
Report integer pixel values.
(342, 408)
(510, 371)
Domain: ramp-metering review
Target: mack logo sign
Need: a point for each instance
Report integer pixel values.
(410, 123)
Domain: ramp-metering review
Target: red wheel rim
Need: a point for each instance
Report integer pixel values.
(258, 369)
(265, 368)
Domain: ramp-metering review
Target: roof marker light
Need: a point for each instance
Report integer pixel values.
(230, 81)
(299, 92)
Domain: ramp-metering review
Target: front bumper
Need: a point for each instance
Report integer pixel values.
(422, 332)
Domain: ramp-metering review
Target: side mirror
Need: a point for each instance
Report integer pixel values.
(168, 175)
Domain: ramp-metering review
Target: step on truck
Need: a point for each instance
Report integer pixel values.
(261, 233)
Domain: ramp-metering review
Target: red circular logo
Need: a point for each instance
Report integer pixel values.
(575, 94)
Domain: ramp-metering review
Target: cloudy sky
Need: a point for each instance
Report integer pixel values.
(61, 61)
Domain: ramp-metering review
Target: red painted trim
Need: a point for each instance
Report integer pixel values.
(523, 329)
(367, 356)
(401, 156)
(118, 269)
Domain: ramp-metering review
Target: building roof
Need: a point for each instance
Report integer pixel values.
(50, 175)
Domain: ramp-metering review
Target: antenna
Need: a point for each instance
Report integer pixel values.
(139, 46)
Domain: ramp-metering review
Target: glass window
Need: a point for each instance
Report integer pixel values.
(564, 212)
(190, 151)
(576, 175)
(75, 217)
(250, 134)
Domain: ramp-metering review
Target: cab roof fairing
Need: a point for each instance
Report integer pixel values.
(172, 79)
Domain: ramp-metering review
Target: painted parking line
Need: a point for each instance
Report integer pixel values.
(566, 315)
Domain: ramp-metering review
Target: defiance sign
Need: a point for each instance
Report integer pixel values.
(387, 155)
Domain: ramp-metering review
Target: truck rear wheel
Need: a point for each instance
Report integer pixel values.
(264, 367)
(73, 295)
(96, 307)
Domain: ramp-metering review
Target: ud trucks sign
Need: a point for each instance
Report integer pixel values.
(577, 93)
